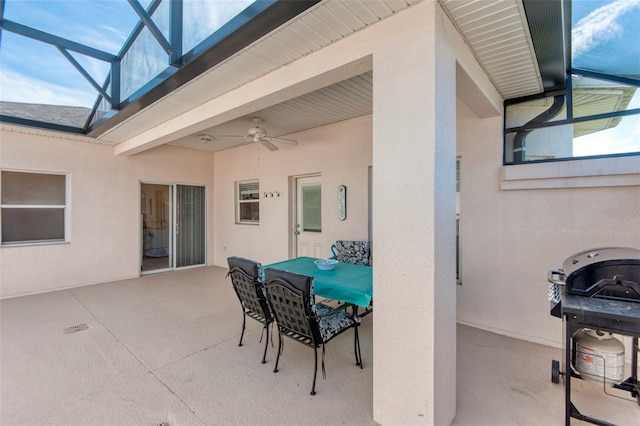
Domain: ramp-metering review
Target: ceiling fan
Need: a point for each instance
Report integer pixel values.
(259, 134)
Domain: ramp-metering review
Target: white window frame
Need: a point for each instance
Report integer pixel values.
(64, 207)
(240, 202)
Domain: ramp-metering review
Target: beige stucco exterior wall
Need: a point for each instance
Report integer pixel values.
(340, 153)
(511, 238)
(104, 202)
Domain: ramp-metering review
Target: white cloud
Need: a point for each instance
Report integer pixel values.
(211, 16)
(105, 38)
(599, 26)
(17, 87)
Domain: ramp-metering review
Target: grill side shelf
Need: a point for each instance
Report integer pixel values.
(613, 315)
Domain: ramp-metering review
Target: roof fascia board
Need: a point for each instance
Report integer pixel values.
(546, 26)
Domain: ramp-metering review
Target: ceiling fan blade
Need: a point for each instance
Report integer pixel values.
(268, 145)
(289, 141)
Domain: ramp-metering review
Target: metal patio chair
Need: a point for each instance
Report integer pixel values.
(246, 278)
(299, 318)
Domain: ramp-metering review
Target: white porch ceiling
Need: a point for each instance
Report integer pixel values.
(496, 31)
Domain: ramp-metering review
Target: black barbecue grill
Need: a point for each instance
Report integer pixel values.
(597, 289)
(608, 273)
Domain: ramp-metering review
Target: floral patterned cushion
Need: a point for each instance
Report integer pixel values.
(349, 251)
(333, 324)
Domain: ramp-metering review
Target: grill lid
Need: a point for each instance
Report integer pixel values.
(598, 255)
(608, 272)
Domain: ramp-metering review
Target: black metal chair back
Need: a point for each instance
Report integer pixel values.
(290, 297)
(299, 318)
(246, 278)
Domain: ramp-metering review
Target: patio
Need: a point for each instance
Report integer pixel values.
(162, 350)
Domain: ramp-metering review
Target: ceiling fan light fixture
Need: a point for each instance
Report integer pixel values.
(255, 134)
(204, 138)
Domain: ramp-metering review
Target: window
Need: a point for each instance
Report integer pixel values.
(596, 113)
(248, 196)
(312, 208)
(595, 118)
(33, 207)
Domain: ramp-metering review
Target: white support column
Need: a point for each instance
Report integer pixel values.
(414, 154)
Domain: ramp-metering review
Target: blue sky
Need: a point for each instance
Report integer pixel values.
(31, 71)
(35, 72)
(606, 38)
(605, 33)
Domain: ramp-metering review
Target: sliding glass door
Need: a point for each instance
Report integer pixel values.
(172, 226)
(157, 230)
(190, 229)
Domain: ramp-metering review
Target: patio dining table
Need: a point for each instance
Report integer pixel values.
(347, 282)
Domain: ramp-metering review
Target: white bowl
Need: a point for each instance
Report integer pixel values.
(326, 264)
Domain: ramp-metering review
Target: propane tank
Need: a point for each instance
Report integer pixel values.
(599, 356)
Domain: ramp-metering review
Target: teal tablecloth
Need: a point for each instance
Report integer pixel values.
(347, 282)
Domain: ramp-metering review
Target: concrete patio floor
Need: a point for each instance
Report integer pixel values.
(163, 350)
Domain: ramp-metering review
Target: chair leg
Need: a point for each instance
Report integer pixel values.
(275, 370)
(244, 320)
(315, 371)
(266, 344)
(355, 344)
(356, 347)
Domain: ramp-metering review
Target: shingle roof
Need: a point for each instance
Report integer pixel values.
(59, 114)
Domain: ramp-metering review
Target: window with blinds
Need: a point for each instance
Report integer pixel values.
(312, 208)
(248, 207)
(33, 207)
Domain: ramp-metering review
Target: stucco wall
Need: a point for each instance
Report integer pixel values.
(340, 152)
(104, 200)
(511, 238)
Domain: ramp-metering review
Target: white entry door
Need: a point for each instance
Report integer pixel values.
(309, 217)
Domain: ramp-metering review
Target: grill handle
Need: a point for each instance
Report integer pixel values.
(552, 277)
